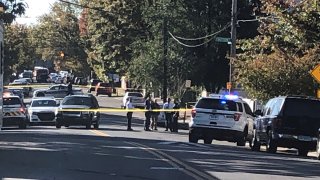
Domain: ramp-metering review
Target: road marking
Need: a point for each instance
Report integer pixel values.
(100, 133)
(175, 163)
(166, 168)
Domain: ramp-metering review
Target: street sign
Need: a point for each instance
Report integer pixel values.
(229, 85)
(188, 83)
(223, 39)
(316, 73)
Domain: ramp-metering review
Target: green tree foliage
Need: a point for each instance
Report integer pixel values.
(278, 61)
(18, 49)
(205, 65)
(113, 26)
(57, 38)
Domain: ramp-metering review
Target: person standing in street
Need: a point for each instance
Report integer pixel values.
(155, 114)
(129, 107)
(175, 116)
(168, 106)
(69, 88)
(148, 114)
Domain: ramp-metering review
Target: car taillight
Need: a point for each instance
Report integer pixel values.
(236, 116)
(193, 113)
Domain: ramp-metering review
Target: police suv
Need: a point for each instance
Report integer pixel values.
(14, 112)
(221, 117)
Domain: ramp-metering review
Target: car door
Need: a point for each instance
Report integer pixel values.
(63, 91)
(250, 118)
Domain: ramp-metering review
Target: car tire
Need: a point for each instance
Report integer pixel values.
(192, 138)
(271, 144)
(242, 141)
(303, 152)
(109, 95)
(58, 126)
(254, 144)
(207, 141)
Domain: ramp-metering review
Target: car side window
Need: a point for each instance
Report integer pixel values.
(276, 107)
(247, 109)
(63, 87)
(240, 107)
(267, 108)
(55, 88)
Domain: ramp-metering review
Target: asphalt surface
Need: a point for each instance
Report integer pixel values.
(113, 153)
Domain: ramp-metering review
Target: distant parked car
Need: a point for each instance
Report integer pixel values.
(92, 85)
(74, 117)
(103, 89)
(288, 121)
(137, 99)
(56, 91)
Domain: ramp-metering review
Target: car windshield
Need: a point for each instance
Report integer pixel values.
(133, 94)
(43, 103)
(86, 101)
(218, 104)
(11, 101)
(302, 107)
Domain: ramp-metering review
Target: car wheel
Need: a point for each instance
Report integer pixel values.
(207, 140)
(303, 152)
(243, 139)
(109, 95)
(192, 138)
(97, 94)
(271, 144)
(254, 144)
(58, 126)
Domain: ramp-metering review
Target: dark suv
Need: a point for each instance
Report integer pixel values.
(289, 121)
(78, 110)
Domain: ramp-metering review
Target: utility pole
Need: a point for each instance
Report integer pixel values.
(165, 60)
(233, 37)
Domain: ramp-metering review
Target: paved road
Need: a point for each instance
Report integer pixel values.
(113, 153)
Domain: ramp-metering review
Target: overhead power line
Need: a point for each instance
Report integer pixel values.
(204, 37)
(192, 39)
(81, 5)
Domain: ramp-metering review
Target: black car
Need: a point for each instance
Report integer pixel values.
(289, 121)
(318, 145)
(78, 110)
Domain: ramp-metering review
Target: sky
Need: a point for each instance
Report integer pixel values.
(35, 9)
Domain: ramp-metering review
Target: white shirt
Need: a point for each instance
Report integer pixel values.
(168, 105)
(129, 105)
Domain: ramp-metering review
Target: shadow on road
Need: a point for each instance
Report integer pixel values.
(41, 147)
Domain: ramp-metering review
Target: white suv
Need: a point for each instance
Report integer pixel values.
(221, 117)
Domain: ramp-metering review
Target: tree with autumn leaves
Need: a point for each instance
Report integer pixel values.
(278, 61)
